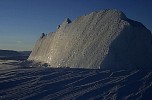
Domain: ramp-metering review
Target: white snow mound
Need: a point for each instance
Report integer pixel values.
(106, 39)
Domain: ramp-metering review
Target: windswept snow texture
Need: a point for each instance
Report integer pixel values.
(38, 83)
(105, 39)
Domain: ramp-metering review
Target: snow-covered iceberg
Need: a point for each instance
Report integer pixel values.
(105, 39)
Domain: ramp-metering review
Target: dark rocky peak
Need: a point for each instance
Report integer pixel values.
(42, 35)
(67, 20)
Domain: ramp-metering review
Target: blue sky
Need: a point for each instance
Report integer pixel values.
(23, 21)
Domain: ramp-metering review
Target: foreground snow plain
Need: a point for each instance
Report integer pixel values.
(18, 81)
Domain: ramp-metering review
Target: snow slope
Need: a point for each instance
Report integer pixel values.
(106, 39)
(38, 83)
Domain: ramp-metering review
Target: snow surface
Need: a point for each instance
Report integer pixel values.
(18, 82)
(106, 39)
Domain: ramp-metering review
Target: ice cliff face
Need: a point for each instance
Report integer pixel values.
(105, 39)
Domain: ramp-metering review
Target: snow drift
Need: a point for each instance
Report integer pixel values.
(106, 39)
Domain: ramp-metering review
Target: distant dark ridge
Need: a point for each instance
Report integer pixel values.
(8, 53)
(14, 55)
